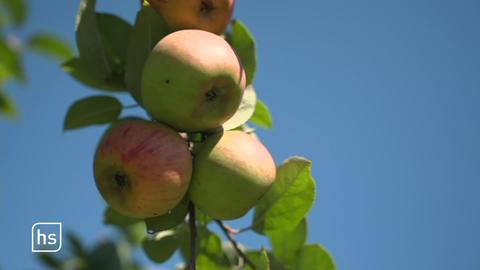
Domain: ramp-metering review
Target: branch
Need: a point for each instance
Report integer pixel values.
(193, 236)
(228, 233)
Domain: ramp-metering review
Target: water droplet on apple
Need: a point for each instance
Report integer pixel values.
(150, 231)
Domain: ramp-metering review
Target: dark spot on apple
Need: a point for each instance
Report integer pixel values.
(167, 81)
(120, 179)
(211, 95)
(206, 7)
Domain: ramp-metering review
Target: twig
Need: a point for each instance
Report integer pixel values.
(244, 229)
(193, 236)
(226, 230)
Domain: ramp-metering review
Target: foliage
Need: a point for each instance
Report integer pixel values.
(13, 15)
(111, 56)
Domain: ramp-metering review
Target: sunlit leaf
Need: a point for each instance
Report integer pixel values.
(314, 257)
(288, 200)
(262, 259)
(7, 107)
(92, 111)
(244, 112)
(50, 45)
(261, 117)
(286, 245)
(244, 44)
(10, 62)
(149, 28)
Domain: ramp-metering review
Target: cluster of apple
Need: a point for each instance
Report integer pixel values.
(192, 83)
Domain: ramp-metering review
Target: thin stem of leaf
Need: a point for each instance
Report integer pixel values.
(226, 230)
(244, 229)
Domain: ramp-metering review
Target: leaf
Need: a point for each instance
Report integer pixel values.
(210, 252)
(315, 257)
(76, 245)
(7, 107)
(11, 62)
(149, 28)
(261, 116)
(244, 44)
(245, 110)
(262, 259)
(89, 41)
(168, 220)
(81, 73)
(112, 217)
(288, 200)
(17, 10)
(92, 111)
(50, 45)
(104, 257)
(286, 245)
(161, 247)
(115, 33)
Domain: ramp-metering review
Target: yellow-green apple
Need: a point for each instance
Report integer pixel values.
(192, 81)
(142, 169)
(208, 15)
(231, 172)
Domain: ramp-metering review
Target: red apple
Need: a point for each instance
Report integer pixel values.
(142, 169)
(208, 15)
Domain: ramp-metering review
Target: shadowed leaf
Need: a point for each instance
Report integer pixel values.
(50, 45)
(245, 110)
(244, 44)
(92, 111)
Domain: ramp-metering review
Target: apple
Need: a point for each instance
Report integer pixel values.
(142, 169)
(209, 15)
(231, 172)
(192, 81)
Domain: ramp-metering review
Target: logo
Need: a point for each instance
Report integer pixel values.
(46, 237)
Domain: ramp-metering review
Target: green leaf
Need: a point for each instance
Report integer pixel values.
(104, 257)
(76, 245)
(244, 111)
(169, 220)
(149, 28)
(112, 217)
(81, 73)
(210, 252)
(17, 10)
(162, 246)
(50, 45)
(286, 245)
(7, 107)
(244, 44)
(262, 259)
(101, 41)
(115, 33)
(314, 257)
(261, 117)
(11, 62)
(92, 111)
(89, 41)
(288, 200)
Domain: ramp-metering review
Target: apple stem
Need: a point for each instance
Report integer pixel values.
(193, 236)
(226, 230)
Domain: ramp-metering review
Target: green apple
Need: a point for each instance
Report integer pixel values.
(192, 81)
(208, 15)
(142, 169)
(231, 172)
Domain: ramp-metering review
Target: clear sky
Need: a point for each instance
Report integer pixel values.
(382, 96)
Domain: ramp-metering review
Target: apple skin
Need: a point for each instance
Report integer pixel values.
(209, 15)
(142, 169)
(231, 172)
(192, 81)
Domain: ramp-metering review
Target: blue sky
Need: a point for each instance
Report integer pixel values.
(382, 96)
